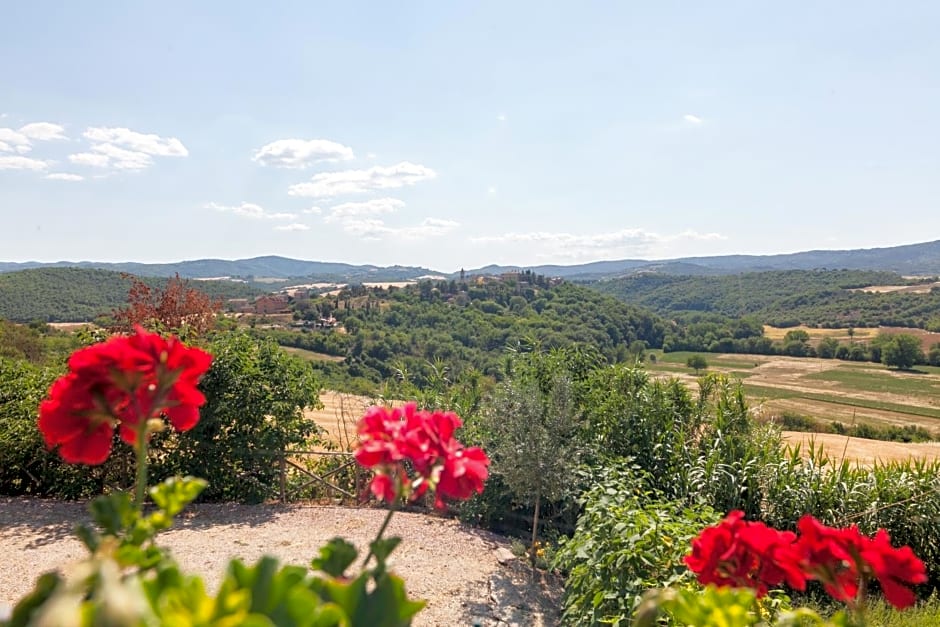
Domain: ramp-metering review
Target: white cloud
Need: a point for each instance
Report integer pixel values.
(121, 159)
(137, 142)
(313, 210)
(572, 246)
(374, 228)
(11, 140)
(300, 153)
(490, 190)
(502, 117)
(64, 176)
(43, 131)
(373, 207)
(89, 159)
(118, 148)
(250, 210)
(21, 163)
(21, 141)
(692, 119)
(292, 227)
(328, 184)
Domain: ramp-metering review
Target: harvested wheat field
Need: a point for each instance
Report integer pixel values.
(466, 575)
(339, 416)
(864, 452)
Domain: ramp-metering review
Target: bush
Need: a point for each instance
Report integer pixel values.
(629, 539)
(255, 397)
(26, 466)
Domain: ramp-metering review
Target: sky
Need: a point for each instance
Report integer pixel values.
(459, 134)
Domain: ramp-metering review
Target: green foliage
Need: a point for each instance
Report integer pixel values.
(471, 325)
(713, 607)
(654, 422)
(731, 450)
(697, 362)
(900, 497)
(901, 351)
(534, 423)
(36, 342)
(255, 397)
(790, 421)
(26, 467)
(781, 298)
(628, 539)
(82, 294)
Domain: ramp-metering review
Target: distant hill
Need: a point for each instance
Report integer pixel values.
(257, 267)
(783, 297)
(912, 259)
(82, 294)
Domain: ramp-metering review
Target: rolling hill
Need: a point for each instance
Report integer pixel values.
(912, 259)
(82, 294)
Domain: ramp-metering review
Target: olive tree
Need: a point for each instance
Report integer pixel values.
(534, 424)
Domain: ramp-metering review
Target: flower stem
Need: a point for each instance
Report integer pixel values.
(388, 517)
(140, 484)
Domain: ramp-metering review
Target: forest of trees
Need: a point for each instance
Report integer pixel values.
(470, 325)
(83, 294)
(823, 298)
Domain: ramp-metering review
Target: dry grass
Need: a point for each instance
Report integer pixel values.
(927, 338)
(311, 355)
(340, 414)
(862, 334)
(865, 452)
(921, 288)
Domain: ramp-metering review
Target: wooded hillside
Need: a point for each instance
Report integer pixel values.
(82, 294)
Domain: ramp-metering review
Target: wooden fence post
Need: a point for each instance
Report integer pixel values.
(283, 464)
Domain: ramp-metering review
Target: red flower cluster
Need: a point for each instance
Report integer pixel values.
(841, 558)
(120, 383)
(750, 554)
(745, 554)
(390, 437)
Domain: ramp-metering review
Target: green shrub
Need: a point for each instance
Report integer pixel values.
(628, 539)
(255, 397)
(26, 467)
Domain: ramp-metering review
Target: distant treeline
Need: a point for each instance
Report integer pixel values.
(818, 298)
(469, 324)
(83, 294)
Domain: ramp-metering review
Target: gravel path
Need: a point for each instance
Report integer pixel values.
(467, 576)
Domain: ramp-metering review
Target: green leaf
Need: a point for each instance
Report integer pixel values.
(114, 513)
(336, 556)
(88, 536)
(45, 587)
(388, 605)
(176, 493)
(383, 547)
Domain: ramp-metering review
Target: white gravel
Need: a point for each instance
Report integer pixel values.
(454, 567)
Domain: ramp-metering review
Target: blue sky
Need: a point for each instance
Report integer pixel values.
(456, 134)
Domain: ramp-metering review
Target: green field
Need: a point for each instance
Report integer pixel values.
(824, 389)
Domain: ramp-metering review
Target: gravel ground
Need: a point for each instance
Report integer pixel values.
(467, 576)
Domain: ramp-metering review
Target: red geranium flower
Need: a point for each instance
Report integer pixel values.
(389, 437)
(745, 554)
(828, 555)
(463, 474)
(893, 567)
(120, 383)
